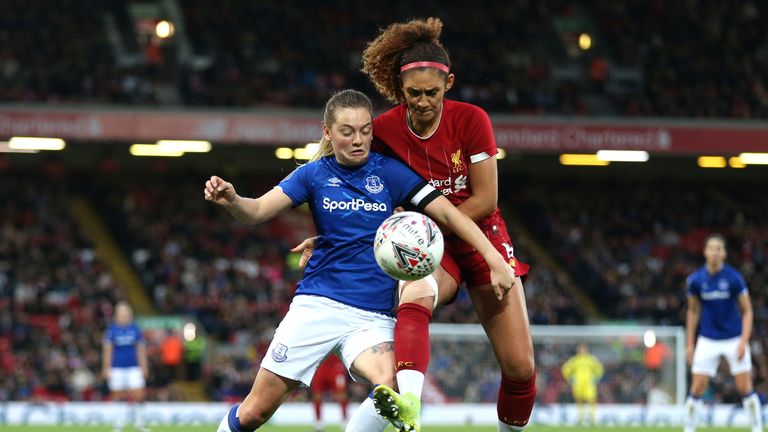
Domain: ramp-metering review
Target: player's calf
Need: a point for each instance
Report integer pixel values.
(231, 422)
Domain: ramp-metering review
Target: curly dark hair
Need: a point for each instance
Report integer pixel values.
(400, 44)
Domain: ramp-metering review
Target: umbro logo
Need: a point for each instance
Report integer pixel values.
(333, 181)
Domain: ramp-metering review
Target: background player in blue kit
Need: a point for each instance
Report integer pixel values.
(124, 362)
(720, 307)
(343, 304)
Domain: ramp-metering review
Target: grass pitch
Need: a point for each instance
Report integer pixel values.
(212, 428)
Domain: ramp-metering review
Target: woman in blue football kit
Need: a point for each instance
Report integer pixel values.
(343, 304)
(125, 365)
(720, 311)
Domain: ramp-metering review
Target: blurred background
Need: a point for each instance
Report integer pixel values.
(100, 212)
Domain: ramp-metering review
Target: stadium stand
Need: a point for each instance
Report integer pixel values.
(646, 61)
(633, 246)
(628, 247)
(59, 297)
(235, 280)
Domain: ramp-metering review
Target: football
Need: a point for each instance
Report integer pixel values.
(408, 246)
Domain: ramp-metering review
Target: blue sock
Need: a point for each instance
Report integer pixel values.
(234, 421)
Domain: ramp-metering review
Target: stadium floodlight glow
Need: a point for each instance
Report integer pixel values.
(735, 162)
(623, 155)
(649, 339)
(164, 29)
(189, 331)
(581, 160)
(754, 158)
(711, 162)
(153, 150)
(283, 153)
(36, 143)
(6, 148)
(306, 152)
(501, 154)
(585, 41)
(186, 146)
(301, 153)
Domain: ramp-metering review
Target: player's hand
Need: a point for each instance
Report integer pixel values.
(689, 354)
(502, 276)
(398, 209)
(306, 248)
(741, 350)
(219, 191)
(145, 373)
(105, 373)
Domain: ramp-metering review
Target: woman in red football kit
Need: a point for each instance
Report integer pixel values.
(451, 145)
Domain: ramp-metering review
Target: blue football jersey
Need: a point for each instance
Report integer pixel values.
(124, 340)
(719, 294)
(348, 204)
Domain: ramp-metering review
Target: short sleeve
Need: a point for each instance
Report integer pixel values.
(297, 184)
(691, 287)
(738, 285)
(139, 334)
(108, 335)
(481, 144)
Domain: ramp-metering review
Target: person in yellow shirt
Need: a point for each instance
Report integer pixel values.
(583, 371)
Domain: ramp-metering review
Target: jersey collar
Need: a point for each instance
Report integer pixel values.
(439, 119)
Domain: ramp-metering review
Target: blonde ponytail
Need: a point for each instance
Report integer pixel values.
(325, 149)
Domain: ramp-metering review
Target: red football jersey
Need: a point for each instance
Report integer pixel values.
(463, 136)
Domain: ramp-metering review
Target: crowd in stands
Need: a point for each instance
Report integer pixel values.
(633, 246)
(629, 251)
(701, 58)
(57, 297)
(60, 52)
(490, 47)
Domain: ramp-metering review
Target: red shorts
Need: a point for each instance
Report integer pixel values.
(464, 263)
(330, 376)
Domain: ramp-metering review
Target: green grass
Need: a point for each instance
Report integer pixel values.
(212, 428)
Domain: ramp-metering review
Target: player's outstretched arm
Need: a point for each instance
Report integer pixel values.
(502, 275)
(247, 210)
(747, 317)
(692, 317)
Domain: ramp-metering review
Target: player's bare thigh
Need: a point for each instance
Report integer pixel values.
(377, 364)
(506, 324)
(446, 286)
(268, 392)
(743, 382)
(699, 384)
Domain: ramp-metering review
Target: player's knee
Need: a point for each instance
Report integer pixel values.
(518, 367)
(422, 292)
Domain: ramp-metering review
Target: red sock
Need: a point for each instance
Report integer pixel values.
(343, 404)
(412, 337)
(516, 400)
(318, 409)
